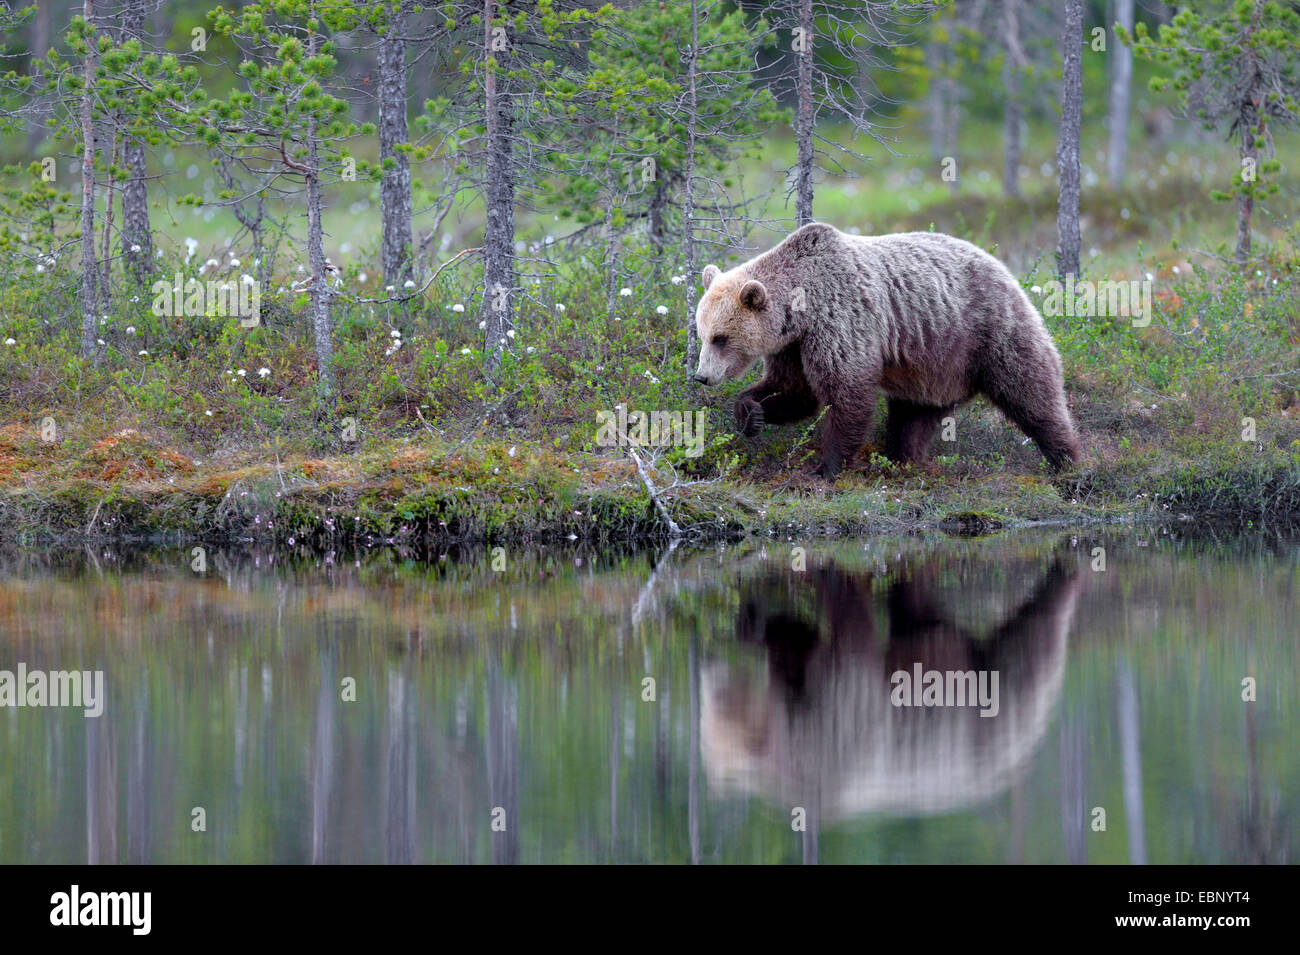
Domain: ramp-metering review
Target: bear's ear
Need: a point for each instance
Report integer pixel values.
(811, 239)
(711, 272)
(753, 294)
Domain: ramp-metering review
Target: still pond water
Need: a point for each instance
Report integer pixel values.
(382, 708)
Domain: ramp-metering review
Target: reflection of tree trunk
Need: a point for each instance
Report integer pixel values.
(399, 777)
(615, 754)
(139, 786)
(811, 834)
(693, 799)
(1019, 805)
(101, 791)
(503, 764)
(322, 761)
(1131, 764)
(1074, 820)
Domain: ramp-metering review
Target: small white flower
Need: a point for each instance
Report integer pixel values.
(242, 372)
(661, 310)
(482, 324)
(396, 333)
(142, 353)
(135, 248)
(559, 307)
(531, 349)
(99, 341)
(10, 341)
(361, 277)
(208, 413)
(130, 329)
(1150, 277)
(625, 292)
(510, 333)
(464, 351)
(263, 372)
(408, 284)
(390, 288)
(234, 262)
(40, 268)
(247, 279)
(1035, 289)
(678, 279)
(1177, 270)
(501, 341)
(458, 307)
(513, 451)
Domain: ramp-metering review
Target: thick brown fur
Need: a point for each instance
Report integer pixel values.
(926, 318)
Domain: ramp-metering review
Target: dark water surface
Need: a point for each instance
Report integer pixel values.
(519, 696)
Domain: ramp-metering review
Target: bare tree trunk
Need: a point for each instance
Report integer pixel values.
(804, 119)
(1067, 144)
(106, 245)
(1121, 82)
(1012, 117)
(36, 129)
(499, 234)
(319, 304)
(1246, 200)
(137, 236)
(89, 268)
(936, 103)
(688, 198)
(395, 190)
(320, 287)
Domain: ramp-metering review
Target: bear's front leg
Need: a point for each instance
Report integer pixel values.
(847, 424)
(749, 414)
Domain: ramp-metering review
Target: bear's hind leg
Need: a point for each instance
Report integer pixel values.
(909, 429)
(1035, 403)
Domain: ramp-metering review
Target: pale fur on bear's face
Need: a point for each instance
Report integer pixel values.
(735, 325)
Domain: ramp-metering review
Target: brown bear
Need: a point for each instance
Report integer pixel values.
(928, 318)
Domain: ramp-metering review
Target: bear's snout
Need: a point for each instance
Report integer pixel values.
(701, 379)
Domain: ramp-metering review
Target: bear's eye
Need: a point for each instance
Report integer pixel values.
(720, 341)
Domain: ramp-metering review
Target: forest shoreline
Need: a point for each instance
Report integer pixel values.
(423, 496)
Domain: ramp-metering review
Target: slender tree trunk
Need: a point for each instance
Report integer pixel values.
(106, 245)
(1121, 82)
(395, 189)
(499, 234)
(1012, 117)
(688, 197)
(320, 287)
(319, 302)
(137, 235)
(89, 267)
(1249, 122)
(1246, 198)
(936, 103)
(804, 118)
(36, 129)
(1067, 145)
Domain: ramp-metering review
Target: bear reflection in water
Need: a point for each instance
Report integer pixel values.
(818, 729)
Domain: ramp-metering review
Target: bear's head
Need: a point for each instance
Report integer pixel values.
(751, 311)
(735, 325)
